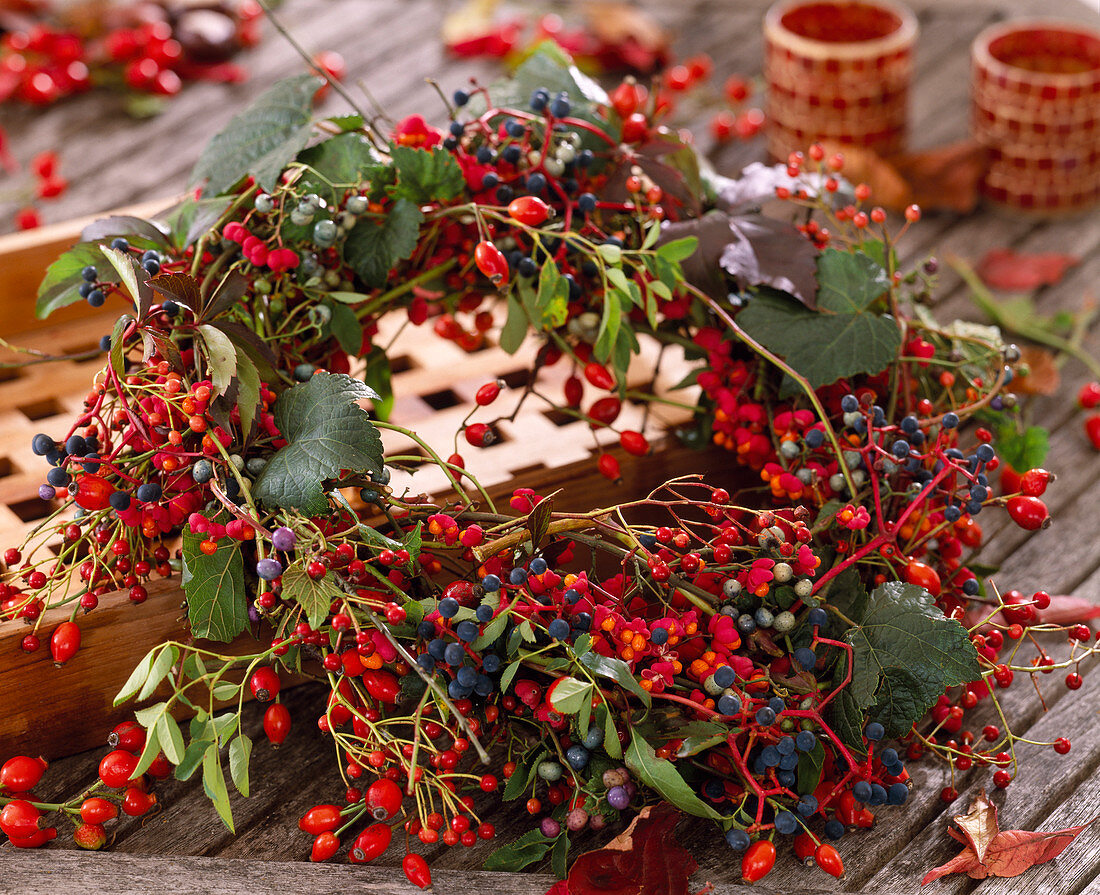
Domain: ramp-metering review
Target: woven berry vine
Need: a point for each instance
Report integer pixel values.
(766, 653)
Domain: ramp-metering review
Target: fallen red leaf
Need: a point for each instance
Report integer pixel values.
(1042, 376)
(626, 37)
(1023, 271)
(645, 858)
(993, 852)
(1067, 610)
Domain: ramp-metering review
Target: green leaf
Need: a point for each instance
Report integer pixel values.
(59, 286)
(248, 389)
(192, 758)
(221, 357)
(1021, 450)
(532, 846)
(314, 597)
(905, 654)
(509, 673)
(152, 747)
(225, 691)
(848, 594)
(137, 677)
(661, 775)
(126, 268)
(376, 244)
(515, 327)
(611, 744)
(523, 775)
(347, 298)
(559, 857)
(338, 163)
(822, 347)
(191, 218)
(262, 139)
(117, 357)
(809, 768)
(159, 671)
(552, 297)
(225, 726)
(678, 249)
(171, 739)
(618, 671)
(347, 329)
(570, 694)
(213, 784)
(214, 586)
(326, 432)
(240, 751)
(424, 175)
(379, 376)
(492, 632)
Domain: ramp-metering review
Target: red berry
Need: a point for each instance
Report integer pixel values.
(1089, 395)
(1061, 745)
(634, 443)
(324, 847)
(320, 819)
(599, 376)
(491, 261)
(90, 836)
(480, 434)
(757, 861)
(93, 492)
(416, 869)
(923, 575)
(383, 798)
(609, 467)
(96, 810)
(128, 735)
(488, 393)
(1092, 429)
(264, 684)
(116, 768)
(65, 642)
(1029, 513)
(371, 843)
(1002, 778)
(19, 819)
(528, 210)
(1074, 681)
(828, 859)
(627, 97)
(1034, 482)
(21, 773)
(137, 802)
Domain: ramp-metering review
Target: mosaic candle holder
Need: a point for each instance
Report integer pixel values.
(837, 71)
(1035, 90)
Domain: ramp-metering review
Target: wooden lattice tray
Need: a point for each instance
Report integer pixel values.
(434, 383)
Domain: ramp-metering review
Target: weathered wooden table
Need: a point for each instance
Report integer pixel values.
(391, 46)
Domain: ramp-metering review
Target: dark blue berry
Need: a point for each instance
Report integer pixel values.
(120, 501)
(658, 636)
(585, 158)
(560, 107)
(770, 756)
(834, 829)
(425, 630)
(765, 717)
(466, 676)
(558, 629)
(861, 792)
(491, 663)
(426, 662)
(536, 183)
(952, 514)
(467, 631)
(539, 99)
(737, 839)
(806, 806)
(786, 823)
(84, 289)
(484, 613)
(460, 97)
(788, 762)
(729, 705)
(151, 267)
(454, 654)
(785, 746)
(878, 795)
(572, 596)
(96, 298)
(874, 731)
(448, 607)
(518, 575)
(910, 424)
(586, 203)
(457, 128)
(514, 128)
(90, 274)
(817, 617)
(849, 404)
(149, 492)
(511, 154)
(805, 657)
(57, 477)
(170, 308)
(724, 676)
(490, 583)
(985, 453)
(777, 705)
(437, 648)
(897, 794)
(950, 420)
(123, 245)
(91, 463)
(456, 691)
(42, 444)
(538, 566)
(577, 756)
(582, 621)
(971, 586)
(815, 438)
(483, 686)
(805, 740)
(888, 756)
(900, 449)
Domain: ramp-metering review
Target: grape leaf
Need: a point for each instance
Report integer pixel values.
(661, 775)
(337, 163)
(843, 337)
(326, 432)
(905, 654)
(425, 175)
(1021, 450)
(221, 357)
(374, 246)
(59, 286)
(214, 586)
(261, 139)
(314, 597)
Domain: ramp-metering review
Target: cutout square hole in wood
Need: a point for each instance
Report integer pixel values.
(401, 364)
(559, 417)
(30, 510)
(41, 409)
(442, 399)
(6, 467)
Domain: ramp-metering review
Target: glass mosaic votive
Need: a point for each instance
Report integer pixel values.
(1035, 90)
(838, 71)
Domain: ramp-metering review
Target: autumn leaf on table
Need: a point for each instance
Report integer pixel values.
(990, 851)
(1023, 271)
(472, 30)
(1068, 610)
(941, 179)
(626, 37)
(645, 858)
(1042, 376)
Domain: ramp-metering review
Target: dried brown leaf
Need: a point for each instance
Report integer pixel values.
(979, 824)
(1042, 376)
(945, 178)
